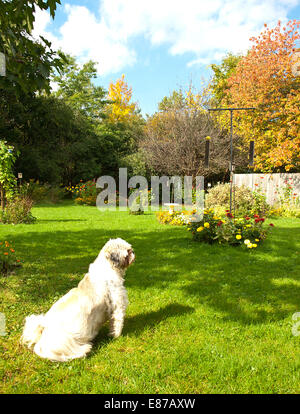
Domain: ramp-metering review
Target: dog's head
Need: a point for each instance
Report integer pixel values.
(119, 253)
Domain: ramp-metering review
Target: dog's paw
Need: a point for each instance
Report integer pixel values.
(114, 334)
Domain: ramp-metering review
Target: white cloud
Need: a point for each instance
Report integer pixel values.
(206, 29)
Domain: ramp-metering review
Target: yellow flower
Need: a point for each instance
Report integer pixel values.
(247, 241)
(238, 237)
(254, 245)
(248, 225)
(206, 225)
(249, 245)
(257, 240)
(200, 228)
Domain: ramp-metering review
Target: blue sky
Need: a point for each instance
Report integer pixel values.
(160, 45)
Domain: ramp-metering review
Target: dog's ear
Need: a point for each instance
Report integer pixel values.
(115, 258)
(129, 257)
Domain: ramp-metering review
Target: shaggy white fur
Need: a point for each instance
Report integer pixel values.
(65, 332)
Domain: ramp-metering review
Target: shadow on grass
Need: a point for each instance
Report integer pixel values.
(135, 325)
(60, 220)
(247, 287)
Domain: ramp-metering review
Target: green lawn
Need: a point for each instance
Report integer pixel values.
(201, 319)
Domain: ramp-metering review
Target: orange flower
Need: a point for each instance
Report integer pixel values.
(12, 250)
(5, 253)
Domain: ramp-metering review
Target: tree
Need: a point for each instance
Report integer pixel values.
(218, 85)
(176, 102)
(57, 144)
(7, 178)
(121, 109)
(76, 88)
(175, 144)
(28, 62)
(264, 79)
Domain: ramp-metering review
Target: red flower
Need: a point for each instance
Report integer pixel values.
(271, 224)
(262, 219)
(220, 223)
(256, 216)
(257, 220)
(227, 211)
(229, 215)
(247, 218)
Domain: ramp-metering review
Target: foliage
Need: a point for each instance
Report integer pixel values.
(28, 61)
(84, 193)
(174, 142)
(135, 164)
(58, 144)
(118, 141)
(7, 178)
(245, 200)
(121, 109)
(245, 232)
(218, 85)
(173, 217)
(76, 88)
(289, 201)
(8, 259)
(18, 210)
(39, 192)
(264, 79)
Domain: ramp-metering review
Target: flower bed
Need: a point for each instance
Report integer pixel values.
(84, 193)
(244, 231)
(177, 218)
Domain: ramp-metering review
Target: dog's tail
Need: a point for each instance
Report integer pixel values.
(34, 326)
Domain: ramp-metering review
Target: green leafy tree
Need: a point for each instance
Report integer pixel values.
(7, 178)
(176, 101)
(218, 85)
(75, 86)
(28, 61)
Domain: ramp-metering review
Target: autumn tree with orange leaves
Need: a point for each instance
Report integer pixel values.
(264, 79)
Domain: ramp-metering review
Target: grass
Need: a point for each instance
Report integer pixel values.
(201, 319)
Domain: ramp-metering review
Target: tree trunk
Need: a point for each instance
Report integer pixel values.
(2, 195)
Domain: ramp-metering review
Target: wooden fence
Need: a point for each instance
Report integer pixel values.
(272, 185)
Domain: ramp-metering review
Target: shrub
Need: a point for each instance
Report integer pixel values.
(177, 218)
(8, 259)
(84, 193)
(289, 201)
(246, 201)
(244, 231)
(18, 210)
(42, 192)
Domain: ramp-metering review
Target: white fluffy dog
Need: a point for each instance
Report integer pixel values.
(65, 332)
